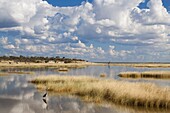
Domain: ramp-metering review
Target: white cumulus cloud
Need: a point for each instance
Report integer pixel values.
(104, 29)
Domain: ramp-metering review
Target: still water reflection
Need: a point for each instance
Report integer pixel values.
(19, 96)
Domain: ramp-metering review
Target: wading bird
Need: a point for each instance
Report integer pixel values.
(45, 95)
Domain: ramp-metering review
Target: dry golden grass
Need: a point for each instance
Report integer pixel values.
(148, 74)
(152, 65)
(63, 69)
(103, 75)
(84, 64)
(140, 65)
(4, 74)
(20, 72)
(144, 65)
(42, 65)
(98, 90)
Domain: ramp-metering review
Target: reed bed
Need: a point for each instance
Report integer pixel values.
(4, 74)
(99, 90)
(20, 72)
(148, 74)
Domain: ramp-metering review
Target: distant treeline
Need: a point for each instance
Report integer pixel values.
(38, 59)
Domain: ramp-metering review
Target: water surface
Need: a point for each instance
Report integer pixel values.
(19, 96)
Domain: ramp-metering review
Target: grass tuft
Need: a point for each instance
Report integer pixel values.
(63, 69)
(103, 75)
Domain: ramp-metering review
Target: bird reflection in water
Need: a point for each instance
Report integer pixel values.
(45, 103)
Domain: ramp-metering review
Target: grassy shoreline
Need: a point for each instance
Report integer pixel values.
(4, 74)
(98, 90)
(84, 64)
(16, 72)
(46, 65)
(147, 74)
(141, 65)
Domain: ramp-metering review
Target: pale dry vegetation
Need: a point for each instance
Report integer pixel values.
(99, 90)
(46, 65)
(103, 75)
(4, 74)
(142, 65)
(63, 69)
(20, 72)
(148, 74)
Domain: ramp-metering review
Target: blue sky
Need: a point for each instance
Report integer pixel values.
(166, 3)
(97, 30)
(65, 3)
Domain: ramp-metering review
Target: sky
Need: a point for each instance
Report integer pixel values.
(94, 30)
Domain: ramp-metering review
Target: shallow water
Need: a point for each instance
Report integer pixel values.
(19, 96)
